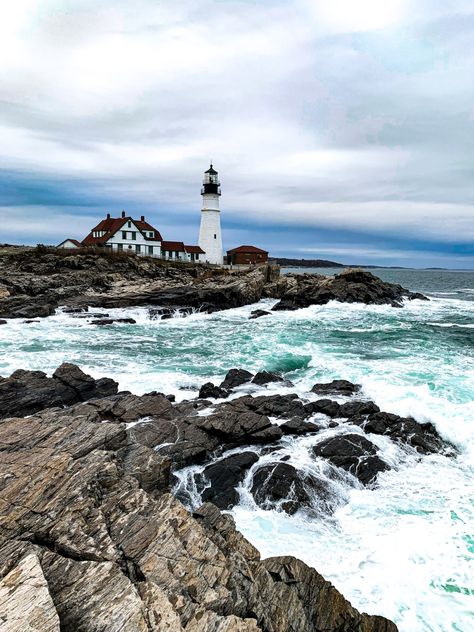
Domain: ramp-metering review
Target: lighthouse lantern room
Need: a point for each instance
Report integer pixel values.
(210, 237)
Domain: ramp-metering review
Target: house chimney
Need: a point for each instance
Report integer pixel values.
(108, 215)
(123, 213)
(142, 218)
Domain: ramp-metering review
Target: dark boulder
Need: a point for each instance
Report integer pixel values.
(27, 392)
(29, 308)
(224, 476)
(265, 377)
(279, 406)
(258, 313)
(111, 321)
(354, 453)
(298, 426)
(285, 305)
(350, 286)
(209, 390)
(236, 377)
(423, 437)
(282, 486)
(3, 322)
(336, 387)
(75, 310)
(352, 409)
(236, 427)
(323, 406)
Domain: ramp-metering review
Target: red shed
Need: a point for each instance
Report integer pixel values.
(244, 255)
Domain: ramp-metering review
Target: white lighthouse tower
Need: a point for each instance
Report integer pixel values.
(210, 238)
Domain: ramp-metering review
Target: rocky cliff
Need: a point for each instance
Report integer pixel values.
(34, 282)
(91, 539)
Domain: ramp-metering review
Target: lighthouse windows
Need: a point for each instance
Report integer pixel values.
(215, 236)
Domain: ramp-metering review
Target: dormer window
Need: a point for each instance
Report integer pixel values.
(151, 234)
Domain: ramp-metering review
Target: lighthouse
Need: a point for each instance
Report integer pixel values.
(210, 238)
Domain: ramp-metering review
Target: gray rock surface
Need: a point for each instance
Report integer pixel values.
(89, 542)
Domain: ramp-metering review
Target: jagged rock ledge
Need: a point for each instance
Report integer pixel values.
(91, 539)
(34, 282)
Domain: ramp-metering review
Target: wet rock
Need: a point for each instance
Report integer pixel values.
(27, 392)
(235, 427)
(424, 437)
(323, 406)
(350, 286)
(336, 387)
(266, 377)
(354, 453)
(3, 322)
(75, 310)
(224, 476)
(299, 427)
(351, 409)
(236, 377)
(12, 307)
(166, 313)
(111, 321)
(258, 313)
(279, 406)
(84, 385)
(209, 390)
(280, 485)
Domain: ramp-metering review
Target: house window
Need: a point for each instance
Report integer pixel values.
(150, 250)
(170, 254)
(151, 234)
(124, 234)
(119, 246)
(129, 224)
(197, 256)
(139, 248)
(134, 235)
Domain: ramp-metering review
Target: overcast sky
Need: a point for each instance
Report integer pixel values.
(341, 129)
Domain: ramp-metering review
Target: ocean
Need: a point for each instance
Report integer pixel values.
(403, 549)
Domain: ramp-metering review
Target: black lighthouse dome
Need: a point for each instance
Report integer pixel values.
(210, 183)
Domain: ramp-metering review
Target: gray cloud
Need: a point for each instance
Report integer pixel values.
(334, 115)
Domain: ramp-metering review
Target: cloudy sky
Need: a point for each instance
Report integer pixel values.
(341, 129)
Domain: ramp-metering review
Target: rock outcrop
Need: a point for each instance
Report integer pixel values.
(34, 282)
(27, 392)
(91, 540)
(350, 286)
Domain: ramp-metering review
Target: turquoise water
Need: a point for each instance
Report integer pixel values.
(404, 549)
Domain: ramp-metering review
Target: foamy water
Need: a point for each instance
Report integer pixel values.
(404, 549)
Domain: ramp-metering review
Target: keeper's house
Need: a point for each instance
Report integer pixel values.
(125, 234)
(245, 255)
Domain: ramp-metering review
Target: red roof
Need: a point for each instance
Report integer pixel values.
(247, 249)
(112, 224)
(174, 246)
(195, 249)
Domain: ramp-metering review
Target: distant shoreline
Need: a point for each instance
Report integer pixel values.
(322, 263)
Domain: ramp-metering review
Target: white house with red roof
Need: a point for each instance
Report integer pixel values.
(126, 234)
